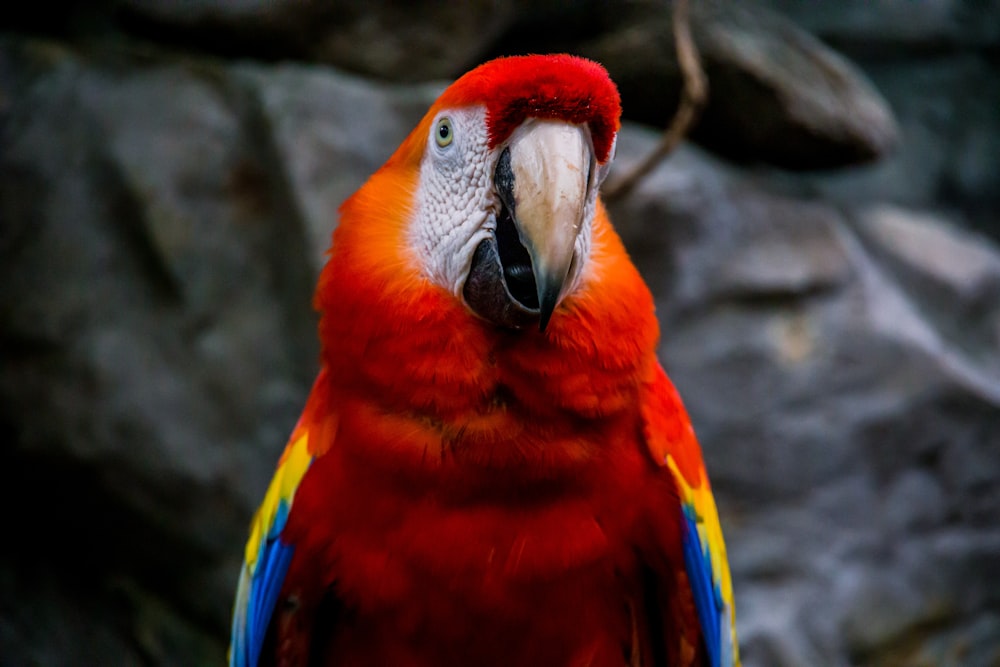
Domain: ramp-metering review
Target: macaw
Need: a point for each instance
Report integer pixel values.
(492, 467)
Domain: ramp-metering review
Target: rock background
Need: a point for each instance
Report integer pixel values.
(169, 175)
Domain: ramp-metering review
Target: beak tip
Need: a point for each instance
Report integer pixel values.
(548, 298)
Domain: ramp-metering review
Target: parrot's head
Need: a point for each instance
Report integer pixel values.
(501, 181)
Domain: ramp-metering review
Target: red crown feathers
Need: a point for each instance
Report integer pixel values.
(561, 86)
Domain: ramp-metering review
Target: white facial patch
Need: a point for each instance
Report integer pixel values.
(456, 205)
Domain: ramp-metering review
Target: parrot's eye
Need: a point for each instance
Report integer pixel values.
(443, 134)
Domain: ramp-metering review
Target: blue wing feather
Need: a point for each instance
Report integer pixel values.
(257, 595)
(267, 559)
(707, 599)
(271, 569)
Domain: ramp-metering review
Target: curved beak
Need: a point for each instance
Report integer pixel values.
(544, 182)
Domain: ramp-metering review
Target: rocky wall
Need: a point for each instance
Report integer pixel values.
(169, 177)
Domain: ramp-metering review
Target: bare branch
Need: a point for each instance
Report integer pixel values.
(693, 97)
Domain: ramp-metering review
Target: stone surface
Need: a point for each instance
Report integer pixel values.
(898, 26)
(836, 339)
(778, 95)
(329, 132)
(949, 141)
(413, 41)
(781, 96)
(843, 384)
(156, 335)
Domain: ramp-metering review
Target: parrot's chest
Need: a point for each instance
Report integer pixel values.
(551, 578)
(485, 590)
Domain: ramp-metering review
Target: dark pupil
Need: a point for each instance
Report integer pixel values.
(443, 131)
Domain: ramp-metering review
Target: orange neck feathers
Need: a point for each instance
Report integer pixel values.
(387, 330)
(405, 346)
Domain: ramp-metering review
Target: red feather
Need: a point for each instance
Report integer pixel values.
(480, 496)
(559, 86)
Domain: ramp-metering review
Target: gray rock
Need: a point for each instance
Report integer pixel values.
(865, 28)
(956, 274)
(159, 219)
(157, 340)
(777, 94)
(949, 150)
(849, 426)
(411, 42)
(927, 247)
(972, 643)
(329, 132)
(914, 501)
(781, 96)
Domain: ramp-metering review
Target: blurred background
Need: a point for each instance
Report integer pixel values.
(824, 253)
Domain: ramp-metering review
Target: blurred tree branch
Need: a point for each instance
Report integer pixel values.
(693, 97)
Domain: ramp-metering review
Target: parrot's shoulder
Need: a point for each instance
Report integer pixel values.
(670, 437)
(667, 429)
